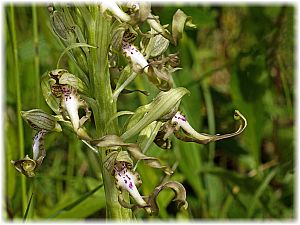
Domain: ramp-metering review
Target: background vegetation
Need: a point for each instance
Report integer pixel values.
(240, 57)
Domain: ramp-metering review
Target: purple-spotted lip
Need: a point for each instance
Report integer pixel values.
(180, 118)
(128, 47)
(123, 174)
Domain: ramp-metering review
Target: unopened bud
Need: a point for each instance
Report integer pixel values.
(39, 120)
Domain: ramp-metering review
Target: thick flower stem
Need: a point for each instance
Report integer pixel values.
(99, 35)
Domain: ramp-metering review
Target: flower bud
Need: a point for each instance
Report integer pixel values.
(39, 120)
(61, 27)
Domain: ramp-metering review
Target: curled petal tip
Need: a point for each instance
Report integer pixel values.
(190, 135)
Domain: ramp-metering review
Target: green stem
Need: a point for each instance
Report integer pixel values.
(122, 87)
(99, 36)
(19, 103)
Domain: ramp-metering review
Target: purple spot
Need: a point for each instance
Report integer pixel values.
(125, 181)
(130, 185)
(128, 177)
(183, 119)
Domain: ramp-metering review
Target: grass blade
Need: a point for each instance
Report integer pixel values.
(19, 101)
(27, 209)
(75, 203)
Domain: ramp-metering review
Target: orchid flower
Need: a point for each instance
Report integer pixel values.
(191, 135)
(70, 102)
(115, 10)
(127, 180)
(28, 166)
(136, 57)
(179, 123)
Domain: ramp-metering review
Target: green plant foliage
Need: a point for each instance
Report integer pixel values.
(231, 57)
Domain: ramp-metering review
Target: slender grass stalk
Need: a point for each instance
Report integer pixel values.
(286, 89)
(260, 191)
(19, 103)
(36, 54)
(28, 207)
(211, 119)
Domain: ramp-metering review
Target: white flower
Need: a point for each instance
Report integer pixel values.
(115, 10)
(71, 103)
(135, 56)
(127, 180)
(38, 145)
(191, 135)
(181, 121)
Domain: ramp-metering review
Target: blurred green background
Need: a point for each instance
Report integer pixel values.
(240, 57)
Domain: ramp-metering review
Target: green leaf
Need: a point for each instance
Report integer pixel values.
(259, 191)
(70, 47)
(28, 207)
(161, 106)
(75, 203)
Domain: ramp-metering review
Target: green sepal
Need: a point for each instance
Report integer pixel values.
(61, 27)
(134, 150)
(180, 20)
(50, 99)
(162, 105)
(180, 196)
(74, 81)
(38, 119)
(157, 45)
(25, 166)
(116, 156)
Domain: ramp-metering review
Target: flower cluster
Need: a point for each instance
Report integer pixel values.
(66, 94)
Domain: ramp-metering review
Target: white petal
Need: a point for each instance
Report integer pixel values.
(184, 124)
(135, 55)
(72, 105)
(126, 181)
(115, 9)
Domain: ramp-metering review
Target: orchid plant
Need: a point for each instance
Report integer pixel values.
(96, 38)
